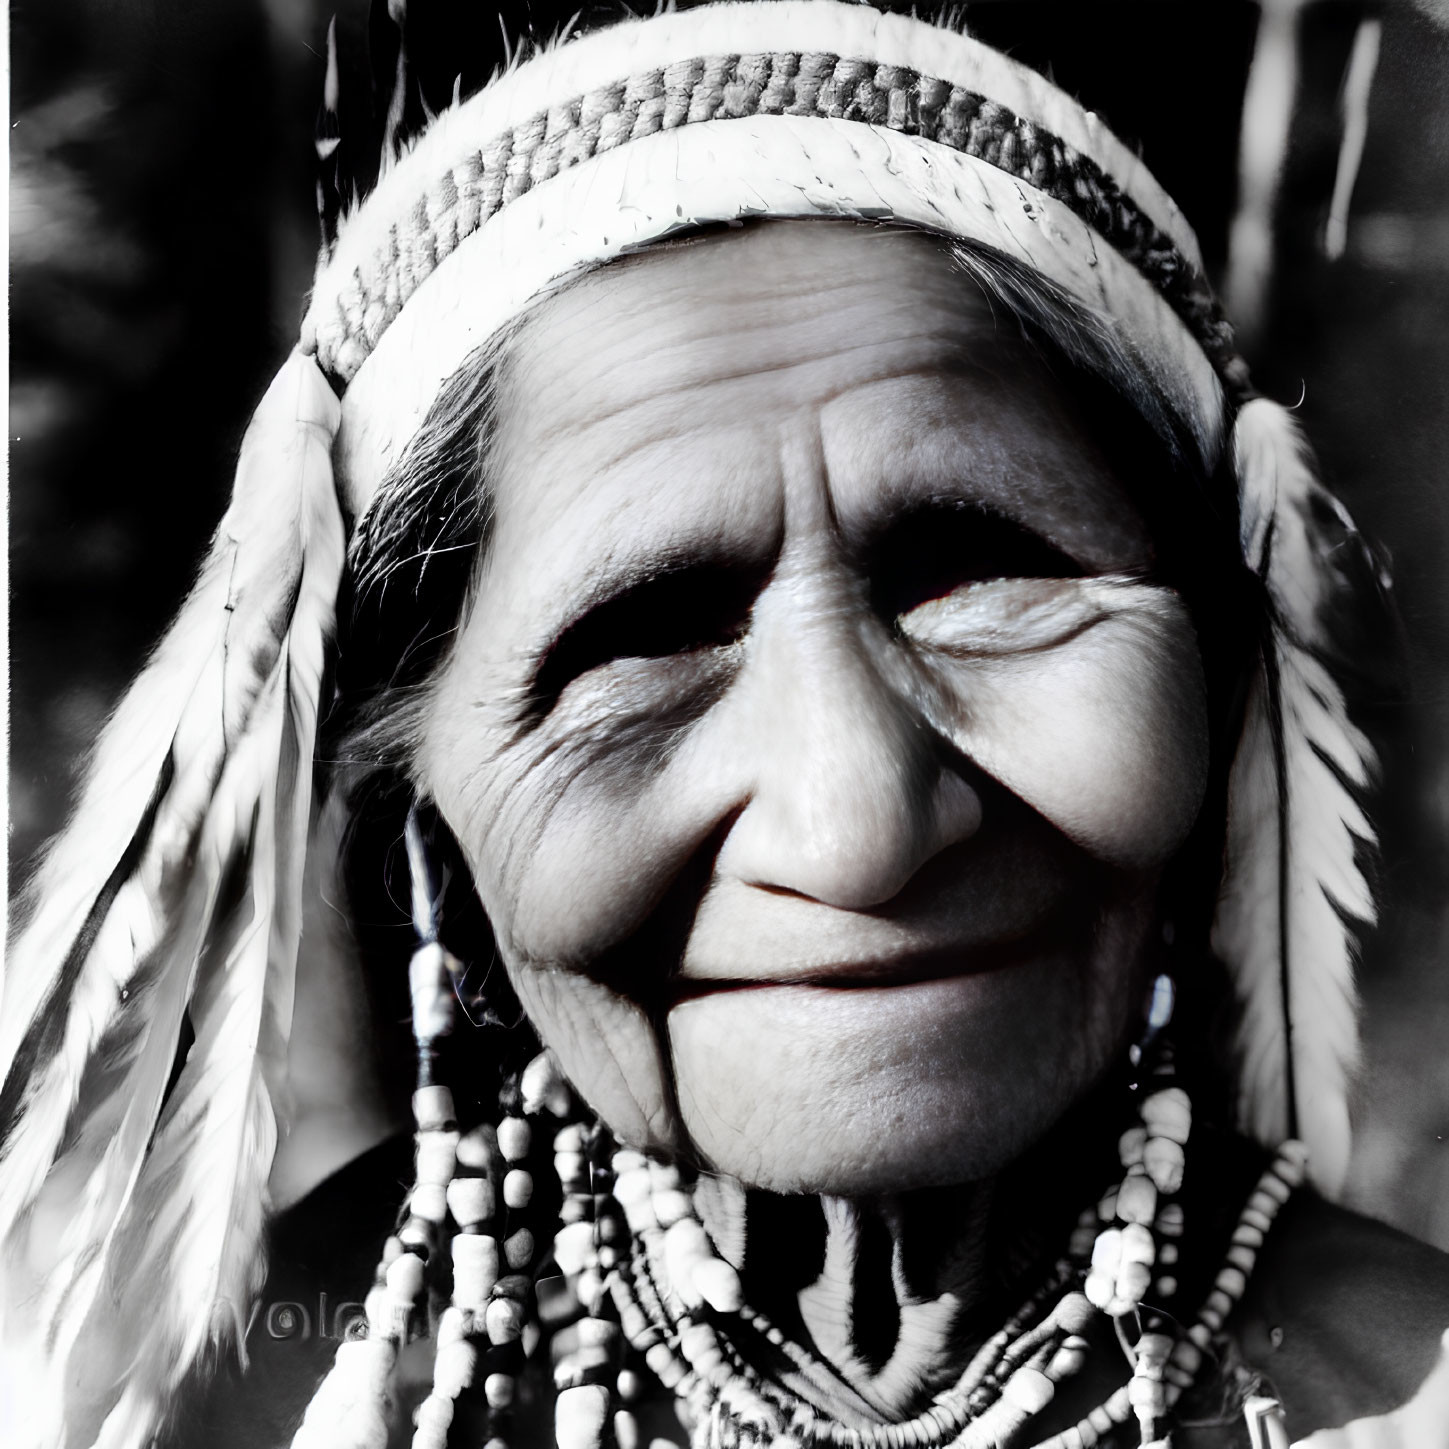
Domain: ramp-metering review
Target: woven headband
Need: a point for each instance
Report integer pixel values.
(629, 135)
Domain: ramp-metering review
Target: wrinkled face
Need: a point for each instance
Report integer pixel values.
(817, 737)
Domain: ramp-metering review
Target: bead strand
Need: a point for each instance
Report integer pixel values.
(352, 1405)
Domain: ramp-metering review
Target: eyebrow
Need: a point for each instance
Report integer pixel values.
(656, 604)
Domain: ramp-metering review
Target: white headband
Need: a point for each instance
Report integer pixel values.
(626, 136)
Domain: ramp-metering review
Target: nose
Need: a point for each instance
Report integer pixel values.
(852, 790)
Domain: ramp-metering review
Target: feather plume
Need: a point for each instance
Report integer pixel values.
(1295, 892)
(172, 899)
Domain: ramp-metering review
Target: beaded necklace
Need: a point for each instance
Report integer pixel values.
(641, 1278)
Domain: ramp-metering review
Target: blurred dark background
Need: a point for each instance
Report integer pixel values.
(162, 236)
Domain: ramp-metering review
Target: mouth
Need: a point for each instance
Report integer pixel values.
(910, 968)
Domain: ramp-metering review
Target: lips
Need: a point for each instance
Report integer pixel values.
(907, 968)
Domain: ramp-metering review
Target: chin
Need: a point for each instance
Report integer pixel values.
(884, 1089)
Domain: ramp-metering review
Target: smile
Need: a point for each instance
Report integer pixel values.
(906, 969)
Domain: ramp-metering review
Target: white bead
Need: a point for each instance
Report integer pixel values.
(631, 1185)
(1232, 1282)
(1100, 1288)
(504, 1320)
(517, 1187)
(1187, 1355)
(405, 1277)
(432, 1418)
(640, 1216)
(432, 992)
(1107, 1250)
(380, 1317)
(543, 1088)
(719, 1285)
(1152, 1349)
(1137, 1199)
(570, 1166)
(626, 1160)
(515, 1137)
(569, 1139)
(1164, 1160)
(1168, 1113)
(451, 1326)
(626, 1430)
(437, 1156)
(1147, 1397)
(1276, 1188)
(1130, 1145)
(518, 1250)
(1167, 1254)
(432, 1108)
(597, 1333)
(685, 1244)
(589, 1290)
(1029, 1389)
(348, 1409)
(1073, 1313)
(670, 1205)
(429, 1201)
(1167, 1285)
(475, 1269)
(453, 1367)
(1067, 1360)
(498, 1390)
(1170, 1220)
(1133, 1280)
(470, 1200)
(580, 1415)
(1293, 1161)
(629, 1386)
(573, 1246)
(478, 1149)
(1137, 1244)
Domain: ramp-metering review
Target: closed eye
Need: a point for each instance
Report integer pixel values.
(695, 607)
(938, 549)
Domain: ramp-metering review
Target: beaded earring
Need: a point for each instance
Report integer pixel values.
(470, 1202)
(356, 1399)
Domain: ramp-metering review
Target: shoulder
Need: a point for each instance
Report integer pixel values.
(1344, 1318)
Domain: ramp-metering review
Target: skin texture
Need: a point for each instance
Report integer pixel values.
(816, 735)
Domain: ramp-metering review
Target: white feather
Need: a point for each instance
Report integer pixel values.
(1294, 888)
(116, 1213)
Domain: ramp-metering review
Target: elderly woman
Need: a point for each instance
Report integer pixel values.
(816, 603)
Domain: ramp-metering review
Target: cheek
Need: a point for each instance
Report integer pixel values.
(1105, 736)
(801, 1089)
(606, 1047)
(571, 841)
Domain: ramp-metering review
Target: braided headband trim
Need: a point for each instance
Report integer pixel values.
(775, 166)
(808, 57)
(697, 90)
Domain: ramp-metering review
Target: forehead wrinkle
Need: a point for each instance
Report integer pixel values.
(625, 525)
(933, 437)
